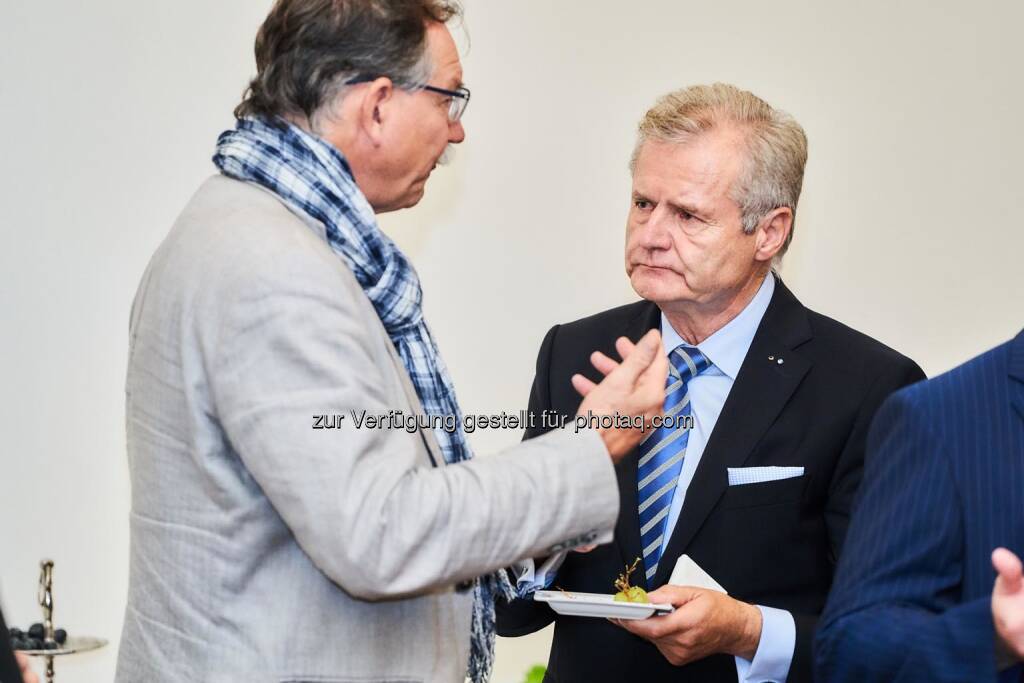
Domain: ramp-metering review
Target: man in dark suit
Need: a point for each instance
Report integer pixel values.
(944, 487)
(755, 483)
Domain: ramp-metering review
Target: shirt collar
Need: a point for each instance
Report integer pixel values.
(727, 347)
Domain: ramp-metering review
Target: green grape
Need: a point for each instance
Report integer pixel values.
(626, 592)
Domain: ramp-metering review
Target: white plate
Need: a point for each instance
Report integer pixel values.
(599, 605)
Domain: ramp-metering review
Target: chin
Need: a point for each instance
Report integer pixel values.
(412, 199)
(648, 287)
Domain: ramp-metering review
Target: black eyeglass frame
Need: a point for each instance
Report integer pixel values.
(457, 107)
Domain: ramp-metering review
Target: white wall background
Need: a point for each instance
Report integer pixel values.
(909, 228)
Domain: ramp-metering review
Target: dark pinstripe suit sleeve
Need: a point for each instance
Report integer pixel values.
(894, 613)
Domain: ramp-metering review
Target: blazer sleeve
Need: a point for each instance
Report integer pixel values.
(843, 488)
(524, 616)
(296, 338)
(893, 614)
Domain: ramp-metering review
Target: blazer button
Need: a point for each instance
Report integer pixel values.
(463, 586)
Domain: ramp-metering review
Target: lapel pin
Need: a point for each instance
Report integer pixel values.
(781, 361)
(771, 357)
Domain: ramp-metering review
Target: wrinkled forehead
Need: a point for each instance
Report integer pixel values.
(709, 162)
(444, 56)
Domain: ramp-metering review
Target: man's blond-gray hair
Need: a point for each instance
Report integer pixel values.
(776, 145)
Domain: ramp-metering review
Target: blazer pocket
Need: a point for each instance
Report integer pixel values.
(764, 493)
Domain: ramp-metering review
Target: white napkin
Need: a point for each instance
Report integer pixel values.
(688, 573)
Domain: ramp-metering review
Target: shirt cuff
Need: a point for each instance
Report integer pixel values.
(531, 578)
(775, 651)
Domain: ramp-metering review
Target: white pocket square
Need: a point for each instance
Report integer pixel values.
(738, 476)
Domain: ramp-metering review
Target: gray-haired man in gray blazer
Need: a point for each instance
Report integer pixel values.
(264, 548)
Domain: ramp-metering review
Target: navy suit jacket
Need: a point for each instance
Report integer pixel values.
(943, 486)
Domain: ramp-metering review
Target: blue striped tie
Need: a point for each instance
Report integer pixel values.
(662, 452)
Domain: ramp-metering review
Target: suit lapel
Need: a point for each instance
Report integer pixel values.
(762, 388)
(1017, 373)
(627, 529)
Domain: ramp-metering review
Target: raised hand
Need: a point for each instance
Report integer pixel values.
(1008, 601)
(634, 387)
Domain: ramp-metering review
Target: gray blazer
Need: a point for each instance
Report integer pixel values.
(263, 549)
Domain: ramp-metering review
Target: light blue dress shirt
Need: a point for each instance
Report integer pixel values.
(726, 349)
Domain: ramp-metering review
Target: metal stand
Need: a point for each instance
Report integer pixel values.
(71, 645)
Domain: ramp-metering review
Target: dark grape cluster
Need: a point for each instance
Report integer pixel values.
(33, 639)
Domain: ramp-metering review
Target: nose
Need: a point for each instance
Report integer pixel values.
(456, 133)
(651, 232)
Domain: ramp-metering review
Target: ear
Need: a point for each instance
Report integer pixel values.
(772, 232)
(375, 108)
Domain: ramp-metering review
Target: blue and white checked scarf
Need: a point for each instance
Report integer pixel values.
(312, 177)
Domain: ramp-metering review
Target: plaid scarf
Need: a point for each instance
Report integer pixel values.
(313, 178)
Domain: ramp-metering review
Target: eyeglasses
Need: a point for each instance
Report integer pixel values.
(458, 99)
(458, 102)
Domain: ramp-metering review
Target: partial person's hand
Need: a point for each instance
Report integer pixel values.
(1008, 601)
(634, 387)
(705, 623)
(27, 674)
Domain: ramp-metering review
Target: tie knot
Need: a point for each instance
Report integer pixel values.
(688, 361)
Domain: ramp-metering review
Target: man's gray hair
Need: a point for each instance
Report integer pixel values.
(307, 50)
(775, 143)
